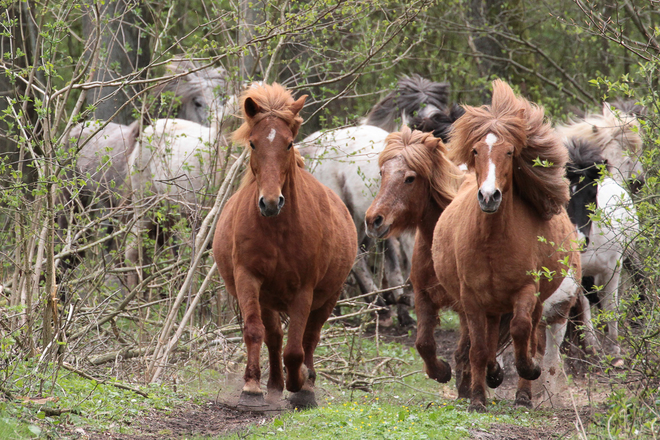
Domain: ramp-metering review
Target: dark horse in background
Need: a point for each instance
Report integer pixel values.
(283, 244)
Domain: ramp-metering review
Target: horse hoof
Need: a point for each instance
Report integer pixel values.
(441, 373)
(303, 399)
(477, 407)
(532, 373)
(494, 379)
(405, 320)
(251, 401)
(617, 362)
(523, 399)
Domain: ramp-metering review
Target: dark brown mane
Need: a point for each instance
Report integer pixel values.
(427, 156)
(273, 101)
(539, 156)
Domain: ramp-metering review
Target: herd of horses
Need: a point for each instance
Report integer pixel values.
(483, 189)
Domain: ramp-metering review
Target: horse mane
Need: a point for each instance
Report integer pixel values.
(412, 94)
(427, 156)
(583, 154)
(440, 124)
(539, 157)
(273, 101)
(614, 131)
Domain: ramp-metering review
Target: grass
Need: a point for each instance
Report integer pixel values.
(369, 417)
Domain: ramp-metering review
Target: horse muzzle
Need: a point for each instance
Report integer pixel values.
(376, 227)
(270, 207)
(489, 203)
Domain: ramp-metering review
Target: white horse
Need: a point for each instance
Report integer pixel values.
(617, 134)
(608, 232)
(346, 160)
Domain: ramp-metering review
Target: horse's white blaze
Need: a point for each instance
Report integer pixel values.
(488, 187)
(271, 135)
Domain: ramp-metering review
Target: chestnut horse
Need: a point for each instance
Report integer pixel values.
(283, 244)
(417, 184)
(505, 243)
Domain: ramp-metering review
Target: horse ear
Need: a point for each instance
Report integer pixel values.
(298, 104)
(251, 108)
(607, 109)
(520, 114)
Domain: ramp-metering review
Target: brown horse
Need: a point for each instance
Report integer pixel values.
(505, 243)
(417, 184)
(283, 244)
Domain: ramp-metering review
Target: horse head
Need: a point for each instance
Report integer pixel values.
(414, 170)
(271, 124)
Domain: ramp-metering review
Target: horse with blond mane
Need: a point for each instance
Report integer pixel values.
(283, 244)
(418, 182)
(505, 243)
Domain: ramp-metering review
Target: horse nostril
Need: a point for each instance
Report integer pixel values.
(497, 196)
(480, 196)
(280, 202)
(378, 221)
(586, 242)
(262, 204)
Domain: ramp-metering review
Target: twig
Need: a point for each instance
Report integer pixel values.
(81, 373)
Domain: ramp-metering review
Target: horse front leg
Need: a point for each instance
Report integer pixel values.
(247, 290)
(527, 311)
(610, 301)
(294, 354)
(479, 353)
(273, 339)
(494, 372)
(427, 320)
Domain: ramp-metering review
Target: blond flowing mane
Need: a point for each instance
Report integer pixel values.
(539, 156)
(273, 101)
(427, 156)
(614, 132)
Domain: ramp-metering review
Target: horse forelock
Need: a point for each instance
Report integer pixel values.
(583, 153)
(273, 101)
(426, 155)
(539, 158)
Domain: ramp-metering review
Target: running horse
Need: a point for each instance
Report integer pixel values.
(505, 243)
(283, 244)
(418, 182)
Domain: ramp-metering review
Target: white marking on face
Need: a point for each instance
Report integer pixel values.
(491, 139)
(488, 187)
(271, 135)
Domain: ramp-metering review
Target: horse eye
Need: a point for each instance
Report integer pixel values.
(290, 145)
(409, 179)
(474, 151)
(509, 153)
(252, 145)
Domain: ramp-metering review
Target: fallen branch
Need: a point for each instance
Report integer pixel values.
(82, 374)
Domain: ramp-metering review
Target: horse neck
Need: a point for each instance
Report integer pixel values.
(430, 217)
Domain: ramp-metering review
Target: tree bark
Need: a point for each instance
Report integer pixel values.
(125, 50)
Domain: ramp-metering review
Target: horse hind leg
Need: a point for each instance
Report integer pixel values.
(273, 339)
(394, 277)
(462, 359)
(305, 398)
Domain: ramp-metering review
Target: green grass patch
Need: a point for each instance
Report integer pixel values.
(371, 417)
